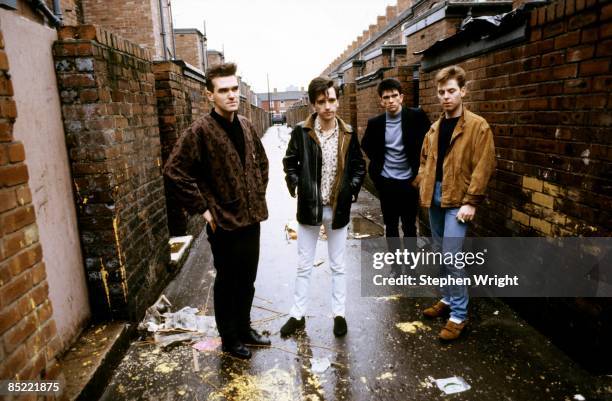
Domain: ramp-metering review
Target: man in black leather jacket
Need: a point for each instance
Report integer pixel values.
(324, 167)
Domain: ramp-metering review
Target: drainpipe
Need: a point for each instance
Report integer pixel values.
(57, 10)
(40, 5)
(163, 28)
(172, 31)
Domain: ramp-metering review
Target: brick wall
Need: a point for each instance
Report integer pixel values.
(260, 119)
(347, 109)
(424, 38)
(548, 102)
(107, 89)
(29, 341)
(180, 101)
(189, 49)
(297, 113)
(137, 21)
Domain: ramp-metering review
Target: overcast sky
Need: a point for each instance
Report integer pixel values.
(291, 40)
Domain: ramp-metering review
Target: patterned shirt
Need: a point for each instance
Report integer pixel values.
(329, 148)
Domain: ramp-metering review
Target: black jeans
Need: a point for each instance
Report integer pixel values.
(235, 256)
(398, 200)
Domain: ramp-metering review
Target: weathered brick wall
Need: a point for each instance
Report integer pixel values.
(347, 109)
(72, 12)
(424, 38)
(548, 102)
(188, 48)
(297, 113)
(109, 109)
(260, 119)
(28, 339)
(137, 21)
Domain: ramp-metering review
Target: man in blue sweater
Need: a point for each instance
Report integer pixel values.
(392, 141)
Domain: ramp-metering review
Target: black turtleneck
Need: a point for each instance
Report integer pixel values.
(233, 130)
(447, 126)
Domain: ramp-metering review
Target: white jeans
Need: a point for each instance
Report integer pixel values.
(307, 245)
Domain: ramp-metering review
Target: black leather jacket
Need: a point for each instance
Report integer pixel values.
(302, 164)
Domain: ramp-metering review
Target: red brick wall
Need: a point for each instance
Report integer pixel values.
(426, 37)
(136, 21)
(188, 49)
(347, 109)
(548, 102)
(109, 108)
(29, 342)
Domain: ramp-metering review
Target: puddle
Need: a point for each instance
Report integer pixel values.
(361, 227)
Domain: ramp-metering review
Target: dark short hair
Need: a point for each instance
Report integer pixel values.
(319, 86)
(219, 70)
(389, 84)
(452, 72)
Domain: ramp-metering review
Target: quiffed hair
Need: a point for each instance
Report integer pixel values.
(319, 86)
(453, 72)
(389, 84)
(219, 70)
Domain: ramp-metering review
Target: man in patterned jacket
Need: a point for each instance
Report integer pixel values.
(219, 169)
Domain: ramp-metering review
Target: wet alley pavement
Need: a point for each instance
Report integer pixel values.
(500, 357)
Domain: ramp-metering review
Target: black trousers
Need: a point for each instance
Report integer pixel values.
(398, 201)
(235, 256)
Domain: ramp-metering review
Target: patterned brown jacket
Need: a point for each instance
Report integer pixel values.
(205, 172)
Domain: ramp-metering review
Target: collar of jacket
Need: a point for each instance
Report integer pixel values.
(343, 128)
(465, 114)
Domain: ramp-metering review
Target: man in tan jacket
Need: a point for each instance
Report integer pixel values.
(457, 161)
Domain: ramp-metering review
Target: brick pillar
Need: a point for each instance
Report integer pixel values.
(107, 89)
(28, 336)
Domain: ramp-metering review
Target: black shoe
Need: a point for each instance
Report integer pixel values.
(292, 325)
(237, 349)
(252, 337)
(340, 328)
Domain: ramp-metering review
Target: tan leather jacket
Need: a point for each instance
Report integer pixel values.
(468, 165)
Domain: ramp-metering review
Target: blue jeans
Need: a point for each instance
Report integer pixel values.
(448, 234)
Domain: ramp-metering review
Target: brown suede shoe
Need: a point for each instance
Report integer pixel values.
(438, 310)
(452, 330)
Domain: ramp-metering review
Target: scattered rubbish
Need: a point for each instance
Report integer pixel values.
(389, 298)
(363, 379)
(274, 384)
(360, 236)
(579, 397)
(412, 327)
(153, 315)
(386, 376)
(196, 363)
(209, 344)
(496, 313)
(428, 382)
(322, 234)
(452, 385)
(164, 339)
(166, 367)
(318, 262)
(170, 327)
(291, 230)
(319, 365)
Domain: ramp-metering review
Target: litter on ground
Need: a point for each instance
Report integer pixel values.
(412, 327)
(452, 385)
